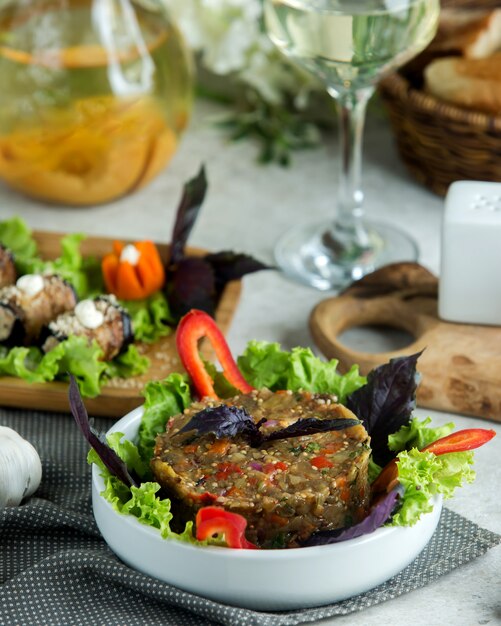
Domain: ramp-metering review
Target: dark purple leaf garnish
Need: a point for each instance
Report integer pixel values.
(311, 426)
(378, 516)
(108, 456)
(228, 265)
(193, 196)
(197, 282)
(386, 402)
(192, 286)
(228, 421)
(223, 421)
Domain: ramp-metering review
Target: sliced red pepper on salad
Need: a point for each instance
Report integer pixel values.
(213, 520)
(460, 441)
(193, 327)
(133, 280)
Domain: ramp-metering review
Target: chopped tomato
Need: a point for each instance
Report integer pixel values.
(330, 448)
(278, 520)
(220, 446)
(321, 462)
(225, 469)
(270, 468)
(234, 492)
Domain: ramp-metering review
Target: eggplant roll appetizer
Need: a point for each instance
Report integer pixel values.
(7, 267)
(30, 304)
(101, 319)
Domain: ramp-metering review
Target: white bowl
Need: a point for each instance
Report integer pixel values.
(260, 579)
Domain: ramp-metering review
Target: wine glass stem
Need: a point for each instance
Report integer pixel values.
(351, 106)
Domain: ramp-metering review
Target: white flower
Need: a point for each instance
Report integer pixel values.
(229, 36)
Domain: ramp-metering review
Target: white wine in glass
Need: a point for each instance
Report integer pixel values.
(349, 45)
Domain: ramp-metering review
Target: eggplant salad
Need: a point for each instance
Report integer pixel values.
(277, 450)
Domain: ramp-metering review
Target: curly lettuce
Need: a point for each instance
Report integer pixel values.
(142, 502)
(264, 364)
(17, 237)
(417, 434)
(72, 356)
(424, 475)
(151, 318)
(163, 399)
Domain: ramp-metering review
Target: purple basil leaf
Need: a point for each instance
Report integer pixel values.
(223, 421)
(191, 286)
(197, 282)
(228, 265)
(193, 196)
(376, 518)
(310, 426)
(386, 402)
(228, 420)
(97, 441)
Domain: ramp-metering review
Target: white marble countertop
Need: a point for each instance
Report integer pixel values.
(248, 206)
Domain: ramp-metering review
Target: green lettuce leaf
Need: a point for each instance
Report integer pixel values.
(16, 236)
(163, 399)
(423, 475)
(151, 318)
(127, 364)
(142, 501)
(72, 356)
(417, 435)
(83, 273)
(264, 364)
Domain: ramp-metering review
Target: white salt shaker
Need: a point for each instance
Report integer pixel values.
(470, 275)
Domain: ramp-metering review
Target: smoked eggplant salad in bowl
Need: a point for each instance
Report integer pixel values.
(276, 483)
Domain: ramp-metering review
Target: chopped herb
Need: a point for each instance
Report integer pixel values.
(278, 541)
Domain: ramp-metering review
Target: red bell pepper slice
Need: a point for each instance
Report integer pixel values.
(212, 520)
(460, 441)
(194, 326)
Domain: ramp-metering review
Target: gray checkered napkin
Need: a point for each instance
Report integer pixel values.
(55, 569)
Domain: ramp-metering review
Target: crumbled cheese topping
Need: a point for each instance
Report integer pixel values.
(130, 254)
(88, 315)
(30, 284)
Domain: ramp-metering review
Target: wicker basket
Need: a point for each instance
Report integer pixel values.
(470, 4)
(441, 143)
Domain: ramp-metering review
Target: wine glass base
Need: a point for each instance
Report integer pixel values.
(304, 255)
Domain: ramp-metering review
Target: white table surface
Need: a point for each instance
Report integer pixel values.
(248, 206)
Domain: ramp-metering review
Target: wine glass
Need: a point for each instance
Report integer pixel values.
(349, 45)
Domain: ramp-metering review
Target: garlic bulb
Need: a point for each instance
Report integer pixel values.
(20, 468)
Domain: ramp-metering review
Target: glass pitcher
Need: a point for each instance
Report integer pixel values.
(94, 95)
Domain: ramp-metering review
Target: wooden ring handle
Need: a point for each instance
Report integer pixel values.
(333, 316)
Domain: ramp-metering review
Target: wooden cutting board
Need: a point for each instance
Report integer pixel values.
(121, 395)
(461, 363)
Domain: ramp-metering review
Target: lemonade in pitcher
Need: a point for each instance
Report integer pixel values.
(94, 95)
